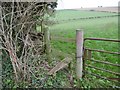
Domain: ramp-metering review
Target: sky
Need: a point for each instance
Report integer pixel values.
(70, 4)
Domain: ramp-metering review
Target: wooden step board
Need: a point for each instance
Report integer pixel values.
(64, 63)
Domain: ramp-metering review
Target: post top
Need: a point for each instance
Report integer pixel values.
(79, 29)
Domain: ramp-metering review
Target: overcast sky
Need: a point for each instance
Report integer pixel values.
(69, 4)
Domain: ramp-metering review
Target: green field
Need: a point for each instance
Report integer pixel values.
(76, 14)
(97, 28)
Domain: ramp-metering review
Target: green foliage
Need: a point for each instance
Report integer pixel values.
(7, 72)
(58, 81)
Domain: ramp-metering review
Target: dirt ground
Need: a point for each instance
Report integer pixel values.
(102, 9)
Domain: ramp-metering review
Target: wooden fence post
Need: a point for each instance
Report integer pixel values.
(79, 53)
(47, 44)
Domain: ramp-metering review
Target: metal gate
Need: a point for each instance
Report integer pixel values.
(87, 56)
